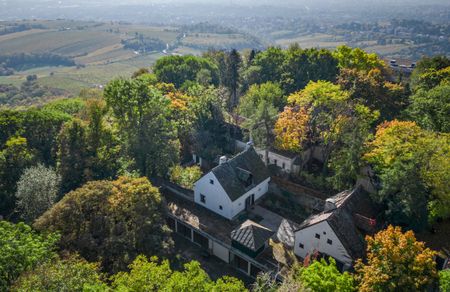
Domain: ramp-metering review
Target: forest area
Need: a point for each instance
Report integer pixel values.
(81, 211)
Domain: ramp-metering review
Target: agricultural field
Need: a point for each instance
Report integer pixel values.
(315, 40)
(98, 51)
(95, 52)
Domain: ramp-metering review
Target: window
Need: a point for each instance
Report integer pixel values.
(211, 181)
(284, 165)
(202, 198)
(317, 235)
(301, 245)
(220, 207)
(201, 240)
(184, 230)
(171, 223)
(324, 232)
(275, 161)
(329, 241)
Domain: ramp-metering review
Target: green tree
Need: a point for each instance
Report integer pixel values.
(356, 58)
(269, 65)
(323, 115)
(102, 144)
(430, 72)
(209, 136)
(269, 92)
(302, 66)
(70, 274)
(231, 80)
(372, 90)
(69, 106)
(10, 125)
(142, 114)
(346, 159)
(431, 108)
(185, 176)
(400, 154)
(396, 262)
(72, 155)
(14, 158)
(41, 129)
(179, 69)
(444, 280)
(126, 214)
(21, 249)
(37, 190)
(323, 276)
(261, 124)
(153, 275)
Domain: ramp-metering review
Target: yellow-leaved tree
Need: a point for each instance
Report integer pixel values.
(396, 261)
(291, 129)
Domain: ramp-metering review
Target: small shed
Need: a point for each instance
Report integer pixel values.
(250, 238)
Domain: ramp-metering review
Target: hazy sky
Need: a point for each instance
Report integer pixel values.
(160, 11)
(234, 2)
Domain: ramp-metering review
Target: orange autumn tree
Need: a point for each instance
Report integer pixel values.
(313, 114)
(323, 115)
(291, 129)
(396, 261)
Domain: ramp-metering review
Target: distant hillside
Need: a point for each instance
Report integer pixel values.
(83, 54)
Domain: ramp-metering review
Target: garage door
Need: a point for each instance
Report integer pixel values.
(221, 252)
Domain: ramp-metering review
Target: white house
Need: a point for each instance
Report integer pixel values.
(338, 230)
(234, 185)
(286, 161)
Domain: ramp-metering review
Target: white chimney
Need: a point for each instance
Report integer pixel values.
(330, 204)
(249, 145)
(222, 160)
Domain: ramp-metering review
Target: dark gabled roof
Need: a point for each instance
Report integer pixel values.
(251, 235)
(241, 173)
(341, 219)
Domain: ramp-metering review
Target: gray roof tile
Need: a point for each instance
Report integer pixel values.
(232, 174)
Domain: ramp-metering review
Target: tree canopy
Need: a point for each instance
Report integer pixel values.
(396, 262)
(21, 249)
(155, 275)
(69, 274)
(142, 114)
(179, 69)
(405, 158)
(37, 190)
(322, 276)
(111, 221)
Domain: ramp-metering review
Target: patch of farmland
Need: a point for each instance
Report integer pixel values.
(312, 41)
(68, 43)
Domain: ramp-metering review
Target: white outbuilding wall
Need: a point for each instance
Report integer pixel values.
(307, 238)
(215, 195)
(217, 200)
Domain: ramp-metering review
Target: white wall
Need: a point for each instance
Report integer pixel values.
(311, 243)
(215, 195)
(239, 204)
(288, 162)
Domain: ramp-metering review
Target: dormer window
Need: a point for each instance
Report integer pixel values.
(211, 181)
(245, 176)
